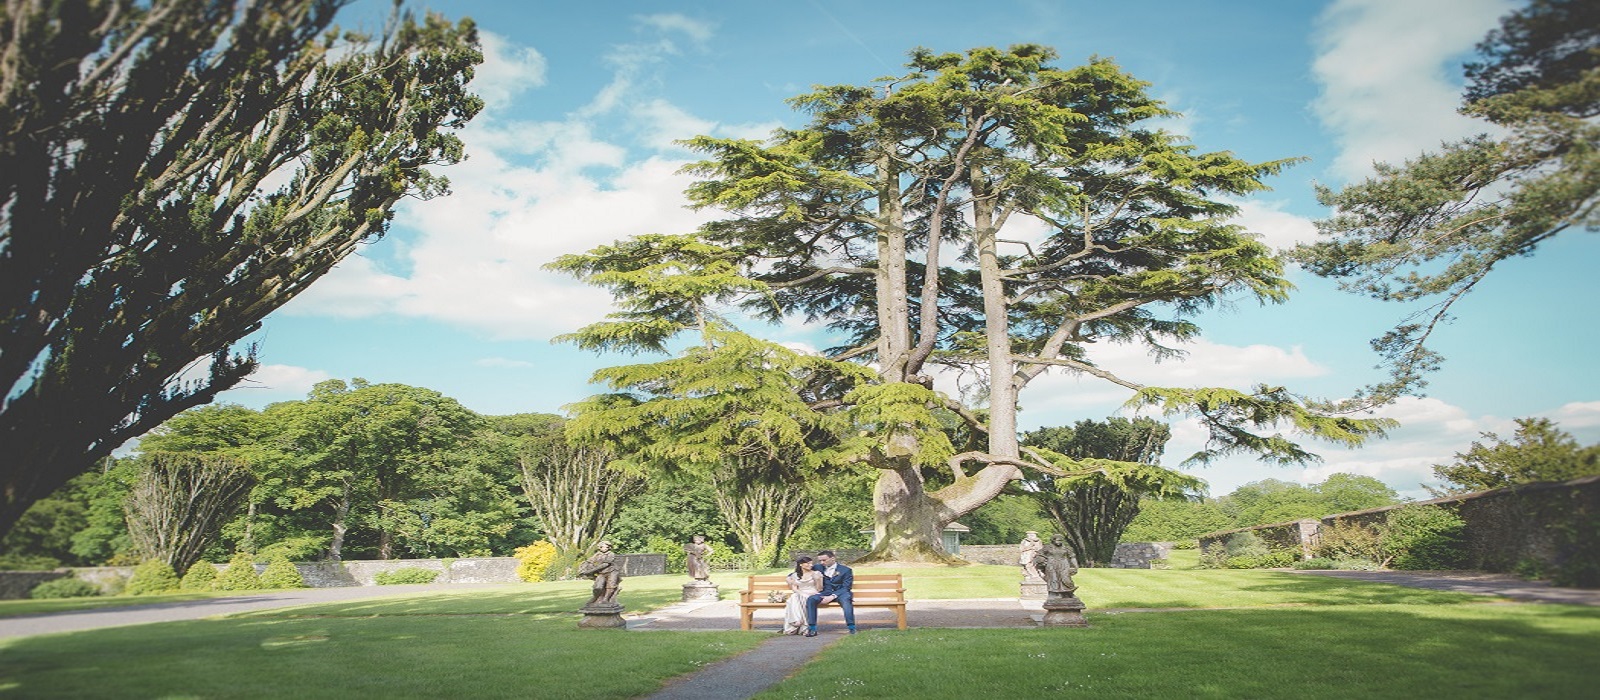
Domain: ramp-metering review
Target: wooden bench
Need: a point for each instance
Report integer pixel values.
(867, 591)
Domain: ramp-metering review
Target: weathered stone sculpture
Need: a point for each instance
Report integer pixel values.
(1032, 582)
(696, 553)
(602, 611)
(1057, 564)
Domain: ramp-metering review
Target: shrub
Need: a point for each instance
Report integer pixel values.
(69, 587)
(200, 577)
(677, 559)
(410, 574)
(1245, 544)
(151, 577)
(281, 573)
(304, 548)
(1214, 556)
(1186, 544)
(1315, 563)
(240, 574)
(725, 559)
(563, 566)
(1355, 565)
(1346, 539)
(536, 559)
(1426, 537)
(1271, 560)
(12, 561)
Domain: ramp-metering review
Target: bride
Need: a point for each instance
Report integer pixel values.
(804, 582)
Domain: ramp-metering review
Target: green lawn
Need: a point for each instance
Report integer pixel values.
(1286, 635)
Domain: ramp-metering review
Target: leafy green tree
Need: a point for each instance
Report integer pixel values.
(674, 509)
(1273, 501)
(364, 454)
(175, 172)
(575, 491)
(1176, 520)
(846, 219)
(234, 432)
(1538, 451)
(1435, 227)
(1005, 520)
(1092, 510)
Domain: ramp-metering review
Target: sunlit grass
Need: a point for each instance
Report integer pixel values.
(1362, 651)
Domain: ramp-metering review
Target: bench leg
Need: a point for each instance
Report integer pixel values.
(900, 616)
(745, 615)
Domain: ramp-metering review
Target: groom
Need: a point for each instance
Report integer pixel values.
(836, 580)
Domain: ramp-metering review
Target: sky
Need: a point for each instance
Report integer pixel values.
(575, 149)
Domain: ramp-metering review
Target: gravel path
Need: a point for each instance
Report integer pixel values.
(47, 623)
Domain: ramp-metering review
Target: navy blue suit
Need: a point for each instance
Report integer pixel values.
(836, 585)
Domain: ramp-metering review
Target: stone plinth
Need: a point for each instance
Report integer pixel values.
(599, 617)
(1033, 589)
(1064, 611)
(700, 591)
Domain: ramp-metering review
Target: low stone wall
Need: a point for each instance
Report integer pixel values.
(1000, 554)
(1138, 555)
(1505, 527)
(15, 585)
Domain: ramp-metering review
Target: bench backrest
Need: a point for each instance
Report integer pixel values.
(866, 587)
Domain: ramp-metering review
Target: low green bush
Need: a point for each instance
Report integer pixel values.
(410, 574)
(1186, 544)
(11, 561)
(282, 573)
(1355, 565)
(564, 566)
(202, 576)
(152, 577)
(1314, 563)
(240, 574)
(69, 587)
(677, 559)
(305, 548)
(1426, 538)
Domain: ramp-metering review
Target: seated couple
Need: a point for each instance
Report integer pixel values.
(814, 584)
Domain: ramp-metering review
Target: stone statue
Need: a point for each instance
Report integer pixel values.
(1028, 550)
(607, 575)
(696, 553)
(1057, 564)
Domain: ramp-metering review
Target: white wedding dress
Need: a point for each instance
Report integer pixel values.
(794, 615)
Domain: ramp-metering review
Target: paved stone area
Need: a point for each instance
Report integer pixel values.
(48, 623)
(1503, 585)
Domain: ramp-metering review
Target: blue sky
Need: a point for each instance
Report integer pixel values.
(575, 150)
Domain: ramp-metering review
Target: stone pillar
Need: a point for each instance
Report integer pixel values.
(1310, 536)
(1033, 588)
(700, 589)
(602, 616)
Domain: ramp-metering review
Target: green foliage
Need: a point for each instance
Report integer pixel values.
(15, 561)
(1426, 538)
(302, 548)
(1433, 228)
(65, 587)
(240, 575)
(1272, 501)
(151, 577)
(1349, 539)
(670, 509)
(1315, 563)
(535, 559)
(1005, 520)
(406, 575)
(564, 566)
(282, 573)
(1176, 520)
(677, 559)
(1539, 451)
(202, 165)
(1231, 415)
(201, 576)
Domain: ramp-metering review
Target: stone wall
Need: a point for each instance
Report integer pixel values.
(1001, 554)
(1138, 555)
(15, 585)
(1505, 527)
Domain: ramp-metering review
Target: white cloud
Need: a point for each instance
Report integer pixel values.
(1390, 73)
(1278, 228)
(697, 31)
(271, 383)
(507, 70)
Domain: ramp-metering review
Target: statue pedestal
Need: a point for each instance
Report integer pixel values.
(699, 589)
(1064, 611)
(599, 617)
(1033, 589)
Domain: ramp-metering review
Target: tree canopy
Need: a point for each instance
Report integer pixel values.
(175, 171)
(1537, 451)
(1433, 228)
(885, 218)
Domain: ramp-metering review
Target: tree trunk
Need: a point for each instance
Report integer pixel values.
(340, 510)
